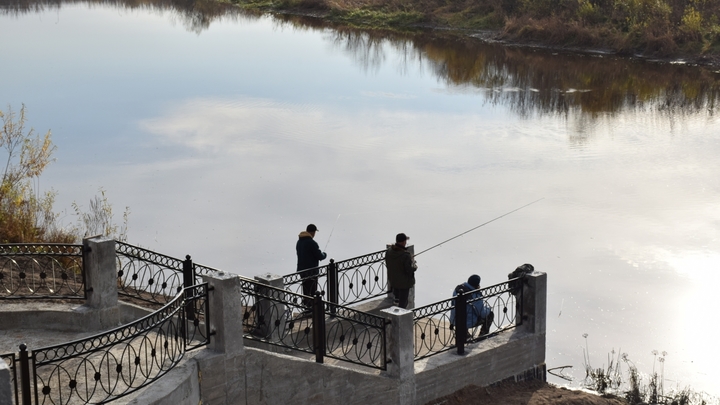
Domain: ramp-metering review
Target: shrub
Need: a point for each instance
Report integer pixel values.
(26, 216)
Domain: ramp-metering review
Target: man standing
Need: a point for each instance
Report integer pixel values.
(309, 256)
(400, 269)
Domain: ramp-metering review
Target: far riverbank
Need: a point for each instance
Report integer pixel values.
(672, 33)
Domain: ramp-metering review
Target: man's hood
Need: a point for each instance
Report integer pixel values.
(305, 234)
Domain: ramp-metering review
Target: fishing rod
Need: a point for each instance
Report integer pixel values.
(479, 226)
(331, 231)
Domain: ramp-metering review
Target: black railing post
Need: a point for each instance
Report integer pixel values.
(319, 327)
(333, 284)
(523, 316)
(85, 251)
(189, 281)
(25, 375)
(460, 321)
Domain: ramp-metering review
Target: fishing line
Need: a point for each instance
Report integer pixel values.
(331, 231)
(479, 226)
(352, 213)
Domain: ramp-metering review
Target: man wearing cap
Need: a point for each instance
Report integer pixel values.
(308, 259)
(400, 269)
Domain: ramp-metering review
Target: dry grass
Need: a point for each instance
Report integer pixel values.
(658, 28)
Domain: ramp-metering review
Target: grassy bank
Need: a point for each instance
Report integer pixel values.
(651, 28)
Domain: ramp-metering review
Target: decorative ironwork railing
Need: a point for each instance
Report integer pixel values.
(148, 276)
(355, 337)
(113, 364)
(311, 325)
(153, 277)
(10, 360)
(278, 317)
(345, 282)
(436, 332)
(201, 270)
(41, 270)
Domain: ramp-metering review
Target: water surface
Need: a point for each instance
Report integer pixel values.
(226, 134)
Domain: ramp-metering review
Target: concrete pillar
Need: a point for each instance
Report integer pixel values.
(400, 340)
(222, 366)
(100, 272)
(226, 311)
(6, 393)
(101, 309)
(273, 311)
(535, 302)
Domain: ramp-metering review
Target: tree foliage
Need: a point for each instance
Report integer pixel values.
(26, 215)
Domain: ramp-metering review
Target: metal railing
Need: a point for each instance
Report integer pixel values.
(435, 331)
(345, 282)
(148, 276)
(41, 270)
(113, 364)
(308, 324)
(153, 277)
(354, 336)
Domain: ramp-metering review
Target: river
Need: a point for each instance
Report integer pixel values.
(226, 134)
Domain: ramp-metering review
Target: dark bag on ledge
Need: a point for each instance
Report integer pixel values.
(519, 272)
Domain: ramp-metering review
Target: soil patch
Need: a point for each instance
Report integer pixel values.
(524, 393)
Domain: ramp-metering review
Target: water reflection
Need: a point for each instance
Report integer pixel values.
(530, 82)
(535, 81)
(195, 15)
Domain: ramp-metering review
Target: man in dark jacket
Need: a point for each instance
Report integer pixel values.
(400, 269)
(309, 256)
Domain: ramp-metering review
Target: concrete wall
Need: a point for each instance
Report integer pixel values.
(273, 378)
(6, 393)
(76, 318)
(504, 356)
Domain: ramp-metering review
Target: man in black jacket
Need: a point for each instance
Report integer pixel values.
(401, 268)
(309, 256)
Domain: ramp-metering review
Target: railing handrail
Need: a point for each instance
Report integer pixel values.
(439, 332)
(166, 260)
(4, 252)
(172, 325)
(346, 282)
(42, 271)
(481, 290)
(164, 308)
(341, 312)
(206, 269)
(340, 265)
(354, 259)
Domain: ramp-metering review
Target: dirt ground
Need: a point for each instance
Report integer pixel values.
(525, 393)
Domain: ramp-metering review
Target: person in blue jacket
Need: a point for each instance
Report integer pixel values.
(478, 312)
(309, 256)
